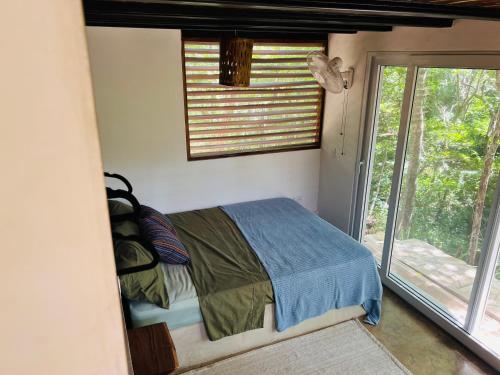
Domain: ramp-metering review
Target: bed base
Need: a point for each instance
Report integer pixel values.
(195, 350)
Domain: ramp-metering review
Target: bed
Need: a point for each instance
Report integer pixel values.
(260, 272)
(187, 329)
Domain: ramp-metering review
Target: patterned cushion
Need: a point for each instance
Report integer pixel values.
(159, 231)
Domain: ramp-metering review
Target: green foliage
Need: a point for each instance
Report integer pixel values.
(458, 108)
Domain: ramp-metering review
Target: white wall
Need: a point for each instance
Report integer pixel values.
(60, 309)
(337, 174)
(138, 86)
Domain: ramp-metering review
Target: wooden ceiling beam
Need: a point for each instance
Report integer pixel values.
(169, 21)
(224, 15)
(293, 17)
(397, 8)
(97, 11)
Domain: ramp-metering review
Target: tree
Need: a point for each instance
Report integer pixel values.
(450, 165)
(414, 156)
(489, 155)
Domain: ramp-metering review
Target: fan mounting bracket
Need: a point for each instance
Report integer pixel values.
(348, 76)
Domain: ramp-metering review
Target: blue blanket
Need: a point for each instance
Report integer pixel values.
(313, 266)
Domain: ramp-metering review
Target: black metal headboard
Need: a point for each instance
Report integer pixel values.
(134, 216)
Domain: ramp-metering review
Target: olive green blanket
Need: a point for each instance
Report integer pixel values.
(232, 285)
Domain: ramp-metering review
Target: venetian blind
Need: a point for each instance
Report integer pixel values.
(281, 110)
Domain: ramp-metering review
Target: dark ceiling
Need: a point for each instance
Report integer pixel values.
(291, 19)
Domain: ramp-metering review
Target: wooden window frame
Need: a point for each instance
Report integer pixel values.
(320, 114)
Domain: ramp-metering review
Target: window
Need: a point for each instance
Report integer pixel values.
(280, 111)
(429, 191)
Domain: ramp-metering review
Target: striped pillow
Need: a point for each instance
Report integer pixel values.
(159, 231)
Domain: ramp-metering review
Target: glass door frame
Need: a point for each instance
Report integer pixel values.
(487, 263)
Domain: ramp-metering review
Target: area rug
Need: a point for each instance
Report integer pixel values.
(346, 348)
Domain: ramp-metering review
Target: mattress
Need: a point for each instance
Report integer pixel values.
(184, 305)
(181, 313)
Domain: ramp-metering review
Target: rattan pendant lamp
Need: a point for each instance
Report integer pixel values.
(235, 61)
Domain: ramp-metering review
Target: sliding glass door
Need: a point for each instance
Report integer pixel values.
(448, 185)
(386, 125)
(428, 198)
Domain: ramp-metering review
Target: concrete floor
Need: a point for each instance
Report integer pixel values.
(444, 279)
(419, 344)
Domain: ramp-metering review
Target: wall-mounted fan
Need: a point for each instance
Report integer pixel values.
(329, 75)
(328, 72)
